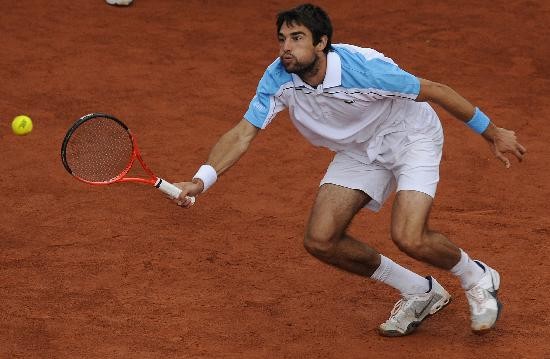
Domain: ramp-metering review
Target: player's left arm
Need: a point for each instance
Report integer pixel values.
(501, 140)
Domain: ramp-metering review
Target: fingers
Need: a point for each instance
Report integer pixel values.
(520, 152)
(187, 195)
(503, 158)
(185, 202)
(508, 144)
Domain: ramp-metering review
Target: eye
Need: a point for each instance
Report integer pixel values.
(297, 37)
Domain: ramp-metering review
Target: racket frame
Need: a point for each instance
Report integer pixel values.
(153, 180)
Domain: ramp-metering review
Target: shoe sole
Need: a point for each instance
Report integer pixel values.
(412, 327)
(117, 4)
(496, 284)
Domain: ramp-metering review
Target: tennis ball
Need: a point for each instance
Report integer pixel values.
(21, 125)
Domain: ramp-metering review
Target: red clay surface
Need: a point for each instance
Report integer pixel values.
(120, 272)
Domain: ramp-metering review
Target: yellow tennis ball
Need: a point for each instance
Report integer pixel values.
(21, 125)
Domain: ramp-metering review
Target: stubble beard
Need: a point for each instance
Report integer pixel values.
(304, 70)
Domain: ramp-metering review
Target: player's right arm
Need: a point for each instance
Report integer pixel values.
(225, 153)
(232, 145)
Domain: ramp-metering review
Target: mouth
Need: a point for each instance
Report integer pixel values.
(287, 58)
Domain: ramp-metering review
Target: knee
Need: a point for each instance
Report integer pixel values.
(408, 241)
(320, 244)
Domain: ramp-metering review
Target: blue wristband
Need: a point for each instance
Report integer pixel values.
(479, 121)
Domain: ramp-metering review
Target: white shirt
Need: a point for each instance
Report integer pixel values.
(364, 96)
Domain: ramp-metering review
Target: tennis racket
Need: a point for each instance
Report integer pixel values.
(99, 149)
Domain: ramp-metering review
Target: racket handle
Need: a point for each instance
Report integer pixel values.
(170, 189)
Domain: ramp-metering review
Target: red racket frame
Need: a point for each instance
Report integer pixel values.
(153, 180)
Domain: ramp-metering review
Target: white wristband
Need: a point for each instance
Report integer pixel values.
(207, 174)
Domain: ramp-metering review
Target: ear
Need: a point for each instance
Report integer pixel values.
(322, 43)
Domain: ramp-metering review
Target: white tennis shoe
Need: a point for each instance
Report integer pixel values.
(409, 312)
(484, 304)
(119, 2)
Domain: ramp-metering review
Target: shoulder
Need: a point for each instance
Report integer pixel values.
(352, 55)
(368, 68)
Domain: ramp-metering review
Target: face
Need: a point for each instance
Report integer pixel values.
(296, 49)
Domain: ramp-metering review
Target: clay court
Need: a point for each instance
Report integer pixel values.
(121, 272)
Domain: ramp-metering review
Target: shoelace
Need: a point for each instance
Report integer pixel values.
(477, 294)
(397, 307)
(402, 303)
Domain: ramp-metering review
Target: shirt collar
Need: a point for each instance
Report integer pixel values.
(333, 75)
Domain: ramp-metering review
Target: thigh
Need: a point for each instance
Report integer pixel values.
(410, 213)
(333, 209)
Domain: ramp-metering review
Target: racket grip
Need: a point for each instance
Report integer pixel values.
(170, 189)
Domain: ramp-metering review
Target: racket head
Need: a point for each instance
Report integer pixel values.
(98, 149)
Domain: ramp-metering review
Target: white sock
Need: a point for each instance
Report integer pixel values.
(468, 271)
(400, 278)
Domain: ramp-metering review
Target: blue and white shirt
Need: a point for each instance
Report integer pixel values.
(364, 96)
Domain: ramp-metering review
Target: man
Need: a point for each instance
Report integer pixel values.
(374, 115)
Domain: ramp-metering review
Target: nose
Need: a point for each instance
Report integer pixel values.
(286, 46)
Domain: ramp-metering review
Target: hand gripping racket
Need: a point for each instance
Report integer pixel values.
(99, 149)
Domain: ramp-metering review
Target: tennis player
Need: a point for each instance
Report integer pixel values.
(376, 118)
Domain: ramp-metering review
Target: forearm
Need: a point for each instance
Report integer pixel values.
(227, 151)
(501, 140)
(457, 106)
(447, 98)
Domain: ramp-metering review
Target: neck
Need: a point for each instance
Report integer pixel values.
(314, 74)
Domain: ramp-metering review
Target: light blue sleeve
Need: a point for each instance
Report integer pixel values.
(387, 76)
(267, 101)
(368, 69)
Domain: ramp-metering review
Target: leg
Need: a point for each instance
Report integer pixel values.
(416, 169)
(334, 208)
(342, 194)
(326, 237)
(410, 232)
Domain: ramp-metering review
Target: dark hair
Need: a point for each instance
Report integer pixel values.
(310, 16)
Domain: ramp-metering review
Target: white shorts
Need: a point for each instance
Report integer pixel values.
(407, 160)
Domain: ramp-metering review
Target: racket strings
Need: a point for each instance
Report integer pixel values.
(99, 150)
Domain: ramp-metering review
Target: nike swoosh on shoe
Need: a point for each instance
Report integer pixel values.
(417, 314)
